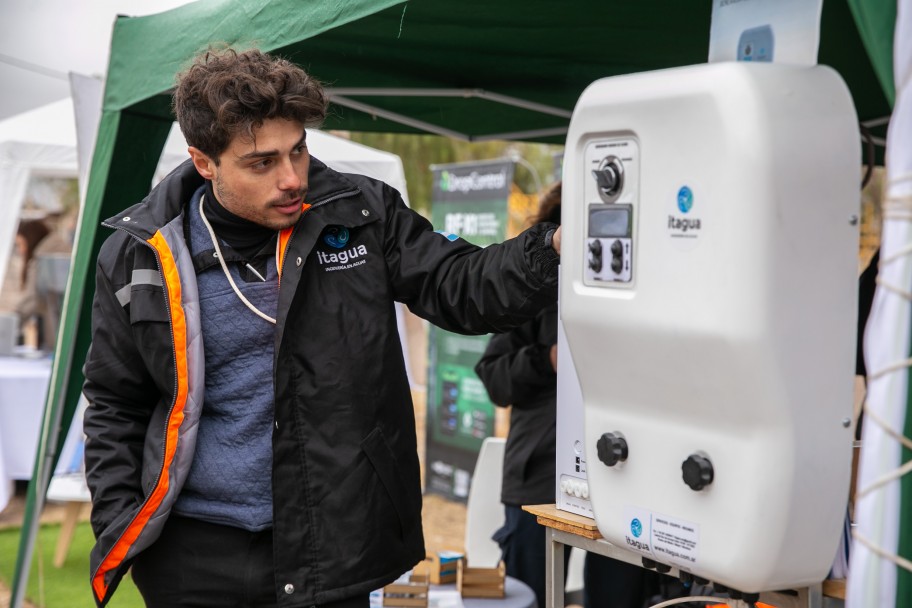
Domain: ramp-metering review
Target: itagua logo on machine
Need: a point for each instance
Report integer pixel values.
(684, 227)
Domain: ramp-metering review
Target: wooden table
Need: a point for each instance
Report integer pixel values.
(571, 530)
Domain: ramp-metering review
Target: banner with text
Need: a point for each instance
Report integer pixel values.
(470, 200)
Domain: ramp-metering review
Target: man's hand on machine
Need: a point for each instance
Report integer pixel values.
(556, 240)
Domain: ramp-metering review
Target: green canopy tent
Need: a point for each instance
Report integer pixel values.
(473, 70)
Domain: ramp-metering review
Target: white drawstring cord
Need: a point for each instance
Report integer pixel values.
(221, 259)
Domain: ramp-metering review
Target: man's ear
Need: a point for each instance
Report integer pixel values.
(204, 165)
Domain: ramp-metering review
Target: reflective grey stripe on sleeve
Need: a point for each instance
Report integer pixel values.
(140, 277)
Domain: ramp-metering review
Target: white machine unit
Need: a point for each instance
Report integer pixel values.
(708, 293)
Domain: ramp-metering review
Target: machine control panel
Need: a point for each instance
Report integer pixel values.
(609, 243)
(611, 200)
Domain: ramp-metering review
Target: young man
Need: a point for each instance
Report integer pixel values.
(251, 436)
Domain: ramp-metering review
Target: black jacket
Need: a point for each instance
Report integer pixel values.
(346, 487)
(516, 369)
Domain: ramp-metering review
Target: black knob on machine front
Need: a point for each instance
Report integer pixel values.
(617, 256)
(595, 256)
(617, 248)
(617, 265)
(609, 178)
(698, 472)
(612, 449)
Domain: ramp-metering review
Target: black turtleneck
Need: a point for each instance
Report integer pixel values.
(245, 237)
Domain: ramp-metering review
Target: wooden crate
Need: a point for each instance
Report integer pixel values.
(420, 577)
(480, 582)
(413, 594)
(442, 566)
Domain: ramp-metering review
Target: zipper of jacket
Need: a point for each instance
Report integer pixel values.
(173, 401)
(320, 203)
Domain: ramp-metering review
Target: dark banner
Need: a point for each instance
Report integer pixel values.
(470, 200)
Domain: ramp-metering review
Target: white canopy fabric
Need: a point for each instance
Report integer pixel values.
(880, 513)
(350, 157)
(40, 142)
(37, 142)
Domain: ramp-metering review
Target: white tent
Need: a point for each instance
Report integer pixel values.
(880, 558)
(41, 142)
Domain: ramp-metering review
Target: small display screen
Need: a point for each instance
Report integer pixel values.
(611, 221)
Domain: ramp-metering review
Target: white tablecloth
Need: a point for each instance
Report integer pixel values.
(517, 594)
(23, 390)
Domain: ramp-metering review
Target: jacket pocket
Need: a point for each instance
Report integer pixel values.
(384, 463)
(147, 304)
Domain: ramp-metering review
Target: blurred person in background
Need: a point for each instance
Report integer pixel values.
(48, 272)
(18, 295)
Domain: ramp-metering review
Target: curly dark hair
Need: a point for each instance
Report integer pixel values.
(226, 92)
(549, 205)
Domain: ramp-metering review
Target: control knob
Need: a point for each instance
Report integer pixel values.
(612, 449)
(617, 256)
(595, 256)
(609, 178)
(697, 471)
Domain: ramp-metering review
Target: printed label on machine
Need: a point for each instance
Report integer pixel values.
(685, 222)
(666, 539)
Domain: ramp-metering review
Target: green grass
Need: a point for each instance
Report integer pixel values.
(66, 587)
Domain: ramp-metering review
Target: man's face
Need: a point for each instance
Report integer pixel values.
(264, 179)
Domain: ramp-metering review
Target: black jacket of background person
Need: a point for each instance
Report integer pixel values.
(346, 486)
(516, 370)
